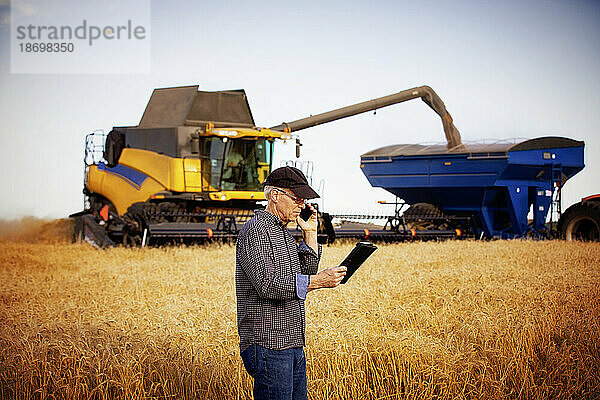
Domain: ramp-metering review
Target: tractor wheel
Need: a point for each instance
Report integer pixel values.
(581, 221)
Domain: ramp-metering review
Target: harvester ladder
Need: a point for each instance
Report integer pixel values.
(93, 154)
(307, 167)
(555, 206)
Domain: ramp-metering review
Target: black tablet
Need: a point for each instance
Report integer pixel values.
(357, 256)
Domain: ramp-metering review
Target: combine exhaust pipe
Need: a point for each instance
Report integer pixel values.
(427, 94)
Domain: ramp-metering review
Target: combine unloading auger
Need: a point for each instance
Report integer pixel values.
(425, 93)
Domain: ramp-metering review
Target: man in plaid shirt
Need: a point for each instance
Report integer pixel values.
(273, 276)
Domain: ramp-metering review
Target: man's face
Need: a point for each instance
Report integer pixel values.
(288, 204)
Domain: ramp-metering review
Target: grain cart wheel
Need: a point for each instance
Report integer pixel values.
(424, 216)
(581, 221)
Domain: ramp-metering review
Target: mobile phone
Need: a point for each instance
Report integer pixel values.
(305, 213)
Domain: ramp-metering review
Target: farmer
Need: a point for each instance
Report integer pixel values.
(273, 275)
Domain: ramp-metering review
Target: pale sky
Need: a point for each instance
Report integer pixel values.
(504, 69)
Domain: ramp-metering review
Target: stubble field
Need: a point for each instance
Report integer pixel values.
(449, 320)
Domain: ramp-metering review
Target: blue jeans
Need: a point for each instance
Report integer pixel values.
(278, 374)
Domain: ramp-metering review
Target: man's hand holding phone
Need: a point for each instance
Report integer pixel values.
(307, 220)
(308, 224)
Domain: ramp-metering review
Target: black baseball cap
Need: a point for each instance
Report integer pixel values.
(291, 178)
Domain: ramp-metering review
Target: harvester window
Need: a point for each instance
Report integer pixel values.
(212, 151)
(247, 163)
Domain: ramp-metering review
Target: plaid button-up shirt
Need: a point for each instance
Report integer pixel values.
(271, 279)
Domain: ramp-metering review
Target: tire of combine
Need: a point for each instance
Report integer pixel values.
(141, 213)
(132, 224)
(581, 221)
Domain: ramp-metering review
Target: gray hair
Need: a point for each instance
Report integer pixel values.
(268, 190)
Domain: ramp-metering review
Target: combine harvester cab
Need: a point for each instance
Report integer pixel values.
(496, 185)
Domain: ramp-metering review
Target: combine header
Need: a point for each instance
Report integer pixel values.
(193, 169)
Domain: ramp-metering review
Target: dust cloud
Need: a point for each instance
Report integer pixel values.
(36, 230)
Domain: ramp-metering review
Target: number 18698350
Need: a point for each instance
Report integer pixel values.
(46, 47)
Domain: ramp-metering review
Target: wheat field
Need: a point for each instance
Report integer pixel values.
(442, 320)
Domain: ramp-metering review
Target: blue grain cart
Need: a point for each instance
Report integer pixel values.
(497, 185)
(492, 188)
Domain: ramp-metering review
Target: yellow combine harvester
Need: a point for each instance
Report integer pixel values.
(193, 167)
